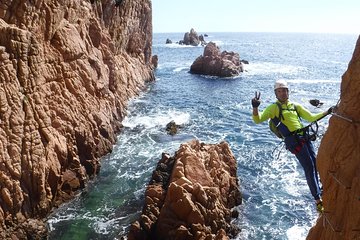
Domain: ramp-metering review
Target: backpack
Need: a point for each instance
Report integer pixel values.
(277, 127)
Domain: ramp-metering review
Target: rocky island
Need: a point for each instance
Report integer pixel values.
(191, 195)
(216, 63)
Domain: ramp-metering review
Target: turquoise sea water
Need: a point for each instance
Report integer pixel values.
(277, 203)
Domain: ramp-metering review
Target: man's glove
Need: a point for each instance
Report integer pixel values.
(331, 110)
(255, 102)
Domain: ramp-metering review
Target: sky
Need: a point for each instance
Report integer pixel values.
(324, 16)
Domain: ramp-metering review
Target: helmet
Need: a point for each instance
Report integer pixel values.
(280, 84)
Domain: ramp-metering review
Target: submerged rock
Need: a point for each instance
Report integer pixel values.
(172, 128)
(216, 63)
(339, 165)
(191, 195)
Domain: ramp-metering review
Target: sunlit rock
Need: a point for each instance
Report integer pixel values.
(216, 63)
(192, 38)
(67, 70)
(195, 196)
(339, 165)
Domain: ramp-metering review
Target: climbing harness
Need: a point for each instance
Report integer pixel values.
(279, 128)
(295, 140)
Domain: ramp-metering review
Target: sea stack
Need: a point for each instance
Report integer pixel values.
(191, 195)
(216, 63)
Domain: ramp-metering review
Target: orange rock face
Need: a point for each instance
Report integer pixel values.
(339, 164)
(191, 195)
(67, 70)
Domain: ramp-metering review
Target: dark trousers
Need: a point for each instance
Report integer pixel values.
(307, 159)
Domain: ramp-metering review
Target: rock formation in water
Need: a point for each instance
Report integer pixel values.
(191, 195)
(216, 63)
(339, 164)
(67, 70)
(193, 39)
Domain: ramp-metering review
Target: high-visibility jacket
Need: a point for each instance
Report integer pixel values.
(289, 113)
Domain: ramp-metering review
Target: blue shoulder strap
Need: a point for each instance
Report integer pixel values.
(279, 125)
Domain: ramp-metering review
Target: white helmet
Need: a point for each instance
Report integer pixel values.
(280, 84)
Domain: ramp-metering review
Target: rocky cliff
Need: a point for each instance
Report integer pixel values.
(339, 165)
(67, 70)
(191, 195)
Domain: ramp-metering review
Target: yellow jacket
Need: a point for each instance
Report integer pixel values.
(291, 118)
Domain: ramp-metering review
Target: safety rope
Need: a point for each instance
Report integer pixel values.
(338, 181)
(276, 147)
(329, 222)
(346, 118)
(326, 220)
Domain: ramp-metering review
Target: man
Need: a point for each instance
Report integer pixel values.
(286, 117)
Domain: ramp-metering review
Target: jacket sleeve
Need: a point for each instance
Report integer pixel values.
(269, 112)
(307, 115)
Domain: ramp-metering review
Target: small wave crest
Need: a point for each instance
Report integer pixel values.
(177, 45)
(296, 232)
(156, 119)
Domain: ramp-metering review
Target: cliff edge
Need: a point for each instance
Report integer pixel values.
(339, 165)
(67, 70)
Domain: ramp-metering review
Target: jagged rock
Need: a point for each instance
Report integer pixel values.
(154, 61)
(172, 128)
(67, 70)
(216, 63)
(193, 39)
(339, 165)
(168, 41)
(193, 198)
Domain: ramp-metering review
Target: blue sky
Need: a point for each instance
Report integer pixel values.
(339, 16)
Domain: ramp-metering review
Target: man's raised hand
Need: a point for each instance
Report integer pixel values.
(255, 102)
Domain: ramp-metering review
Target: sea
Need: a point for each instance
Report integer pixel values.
(277, 203)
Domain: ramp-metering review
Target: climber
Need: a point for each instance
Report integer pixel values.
(286, 117)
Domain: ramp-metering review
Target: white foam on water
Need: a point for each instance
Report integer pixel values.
(179, 69)
(156, 119)
(59, 218)
(104, 225)
(260, 68)
(297, 232)
(175, 66)
(176, 45)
